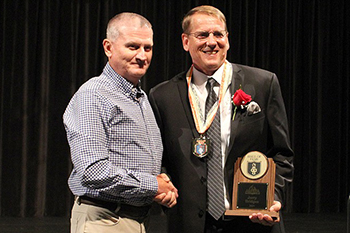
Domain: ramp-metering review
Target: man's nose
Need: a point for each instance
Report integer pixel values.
(141, 55)
(211, 40)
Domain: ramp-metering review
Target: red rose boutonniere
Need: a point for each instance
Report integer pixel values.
(243, 100)
(240, 98)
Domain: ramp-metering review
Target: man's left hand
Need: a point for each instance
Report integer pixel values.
(266, 219)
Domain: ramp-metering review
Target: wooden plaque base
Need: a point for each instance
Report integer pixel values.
(268, 178)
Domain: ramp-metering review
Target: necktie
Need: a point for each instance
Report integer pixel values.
(215, 177)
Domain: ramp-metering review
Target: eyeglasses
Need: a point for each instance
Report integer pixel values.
(203, 35)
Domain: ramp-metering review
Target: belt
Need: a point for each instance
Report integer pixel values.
(138, 213)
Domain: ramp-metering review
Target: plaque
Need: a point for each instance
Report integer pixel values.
(253, 185)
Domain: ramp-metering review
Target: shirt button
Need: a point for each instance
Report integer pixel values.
(203, 180)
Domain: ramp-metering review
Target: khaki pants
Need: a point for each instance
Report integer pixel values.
(92, 219)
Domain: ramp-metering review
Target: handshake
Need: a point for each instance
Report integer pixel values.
(167, 193)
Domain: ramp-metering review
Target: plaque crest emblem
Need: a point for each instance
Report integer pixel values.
(254, 168)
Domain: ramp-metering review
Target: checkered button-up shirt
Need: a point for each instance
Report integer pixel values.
(114, 140)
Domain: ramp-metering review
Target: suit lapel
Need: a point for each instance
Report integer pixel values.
(237, 81)
(198, 164)
(182, 88)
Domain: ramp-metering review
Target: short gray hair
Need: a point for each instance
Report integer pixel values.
(112, 31)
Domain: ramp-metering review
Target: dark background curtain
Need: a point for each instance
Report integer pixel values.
(50, 47)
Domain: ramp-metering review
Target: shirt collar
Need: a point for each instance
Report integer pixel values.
(200, 78)
(127, 87)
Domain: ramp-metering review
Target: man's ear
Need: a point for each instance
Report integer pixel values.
(107, 46)
(184, 38)
(228, 42)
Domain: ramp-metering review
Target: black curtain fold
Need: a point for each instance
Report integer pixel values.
(49, 48)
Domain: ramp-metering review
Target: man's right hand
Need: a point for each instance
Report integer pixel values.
(167, 193)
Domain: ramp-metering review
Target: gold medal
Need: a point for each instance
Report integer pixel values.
(201, 146)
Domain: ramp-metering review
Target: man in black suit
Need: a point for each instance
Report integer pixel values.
(255, 122)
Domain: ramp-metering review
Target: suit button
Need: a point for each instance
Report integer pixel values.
(203, 180)
(201, 213)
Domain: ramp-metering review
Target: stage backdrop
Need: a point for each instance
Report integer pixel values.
(48, 48)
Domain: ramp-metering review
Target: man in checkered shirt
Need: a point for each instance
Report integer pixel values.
(115, 142)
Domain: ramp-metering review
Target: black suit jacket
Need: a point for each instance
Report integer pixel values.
(266, 132)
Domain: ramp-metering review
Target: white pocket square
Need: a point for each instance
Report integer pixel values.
(253, 108)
